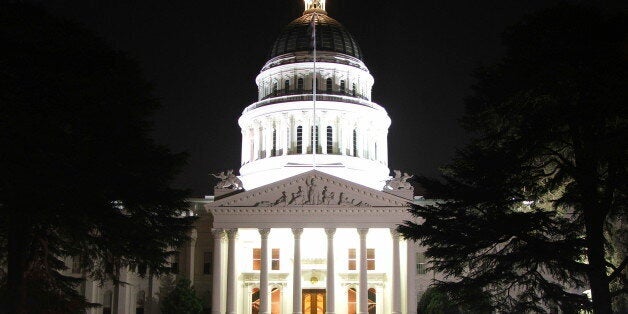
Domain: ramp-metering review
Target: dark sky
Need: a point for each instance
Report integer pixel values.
(203, 56)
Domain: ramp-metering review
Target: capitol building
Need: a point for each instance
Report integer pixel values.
(308, 225)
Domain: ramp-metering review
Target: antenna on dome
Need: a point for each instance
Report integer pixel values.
(317, 6)
(314, 133)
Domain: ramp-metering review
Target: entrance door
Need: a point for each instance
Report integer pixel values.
(314, 301)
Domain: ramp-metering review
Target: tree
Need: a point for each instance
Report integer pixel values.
(530, 204)
(435, 302)
(80, 175)
(182, 299)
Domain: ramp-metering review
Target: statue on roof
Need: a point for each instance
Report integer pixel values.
(399, 181)
(228, 180)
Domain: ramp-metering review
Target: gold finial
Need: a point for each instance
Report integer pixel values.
(314, 6)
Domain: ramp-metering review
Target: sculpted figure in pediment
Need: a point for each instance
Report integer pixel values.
(297, 197)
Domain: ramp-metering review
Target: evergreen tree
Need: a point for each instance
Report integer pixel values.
(182, 299)
(80, 174)
(530, 204)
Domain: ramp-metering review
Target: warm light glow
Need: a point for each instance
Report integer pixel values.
(315, 4)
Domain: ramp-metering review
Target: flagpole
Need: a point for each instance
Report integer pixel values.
(314, 128)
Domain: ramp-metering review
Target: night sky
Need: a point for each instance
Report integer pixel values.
(203, 57)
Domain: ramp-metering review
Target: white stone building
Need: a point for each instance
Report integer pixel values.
(309, 225)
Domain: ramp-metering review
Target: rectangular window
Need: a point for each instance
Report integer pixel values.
(328, 85)
(286, 85)
(342, 86)
(76, 265)
(207, 263)
(421, 264)
(370, 259)
(275, 260)
(352, 260)
(257, 259)
(174, 266)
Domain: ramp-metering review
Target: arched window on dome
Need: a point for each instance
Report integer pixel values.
(275, 89)
(286, 86)
(342, 86)
(330, 140)
(300, 84)
(355, 143)
(353, 90)
(299, 140)
(328, 85)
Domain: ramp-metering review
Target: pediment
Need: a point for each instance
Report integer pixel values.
(312, 189)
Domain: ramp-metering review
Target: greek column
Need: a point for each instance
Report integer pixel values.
(231, 272)
(193, 236)
(331, 274)
(297, 307)
(396, 276)
(411, 277)
(363, 291)
(264, 307)
(218, 235)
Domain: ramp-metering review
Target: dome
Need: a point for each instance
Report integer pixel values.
(330, 36)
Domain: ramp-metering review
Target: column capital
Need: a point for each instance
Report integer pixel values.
(363, 231)
(394, 233)
(218, 233)
(193, 234)
(297, 232)
(330, 232)
(264, 232)
(232, 233)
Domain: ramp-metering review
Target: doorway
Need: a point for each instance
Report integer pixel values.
(313, 301)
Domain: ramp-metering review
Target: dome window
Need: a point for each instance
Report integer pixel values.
(330, 140)
(328, 85)
(353, 89)
(286, 85)
(342, 86)
(300, 84)
(355, 143)
(299, 140)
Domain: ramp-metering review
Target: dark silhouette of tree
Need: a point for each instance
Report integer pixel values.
(182, 299)
(80, 175)
(530, 204)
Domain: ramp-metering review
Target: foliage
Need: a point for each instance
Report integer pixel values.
(528, 202)
(182, 299)
(435, 302)
(80, 174)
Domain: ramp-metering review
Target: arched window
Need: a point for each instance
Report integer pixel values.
(107, 300)
(372, 301)
(330, 140)
(275, 89)
(315, 141)
(352, 299)
(300, 84)
(286, 85)
(255, 301)
(328, 85)
(353, 90)
(140, 300)
(273, 151)
(299, 140)
(342, 86)
(275, 301)
(355, 143)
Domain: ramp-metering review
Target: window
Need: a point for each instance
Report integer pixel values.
(355, 143)
(174, 266)
(342, 86)
(255, 301)
(330, 140)
(207, 263)
(139, 302)
(76, 265)
(315, 139)
(286, 85)
(257, 259)
(352, 301)
(370, 259)
(273, 151)
(107, 302)
(352, 265)
(275, 301)
(372, 301)
(421, 264)
(299, 140)
(275, 88)
(353, 91)
(300, 84)
(328, 85)
(275, 260)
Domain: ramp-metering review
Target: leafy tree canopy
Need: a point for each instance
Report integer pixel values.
(80, 174)
(182, 299)
(530, 204)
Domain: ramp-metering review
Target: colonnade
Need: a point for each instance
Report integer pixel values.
(264, 306)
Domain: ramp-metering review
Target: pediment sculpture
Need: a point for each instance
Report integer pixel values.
(228, 181)
(312, 193)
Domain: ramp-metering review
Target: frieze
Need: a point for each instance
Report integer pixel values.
(306, 210)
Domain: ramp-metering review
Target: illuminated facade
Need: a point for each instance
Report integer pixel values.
(309, 225)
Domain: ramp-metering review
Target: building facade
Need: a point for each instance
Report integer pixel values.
(309, 224)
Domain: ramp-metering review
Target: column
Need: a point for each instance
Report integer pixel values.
(297, 307)
(411, 277)
(264, 306)
(331, 274)
(363, 291)
(193, 236)
(218, 235)
(120, 292)
(231, 272)
(396, 276)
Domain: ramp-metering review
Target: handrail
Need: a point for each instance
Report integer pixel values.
(308, 97)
